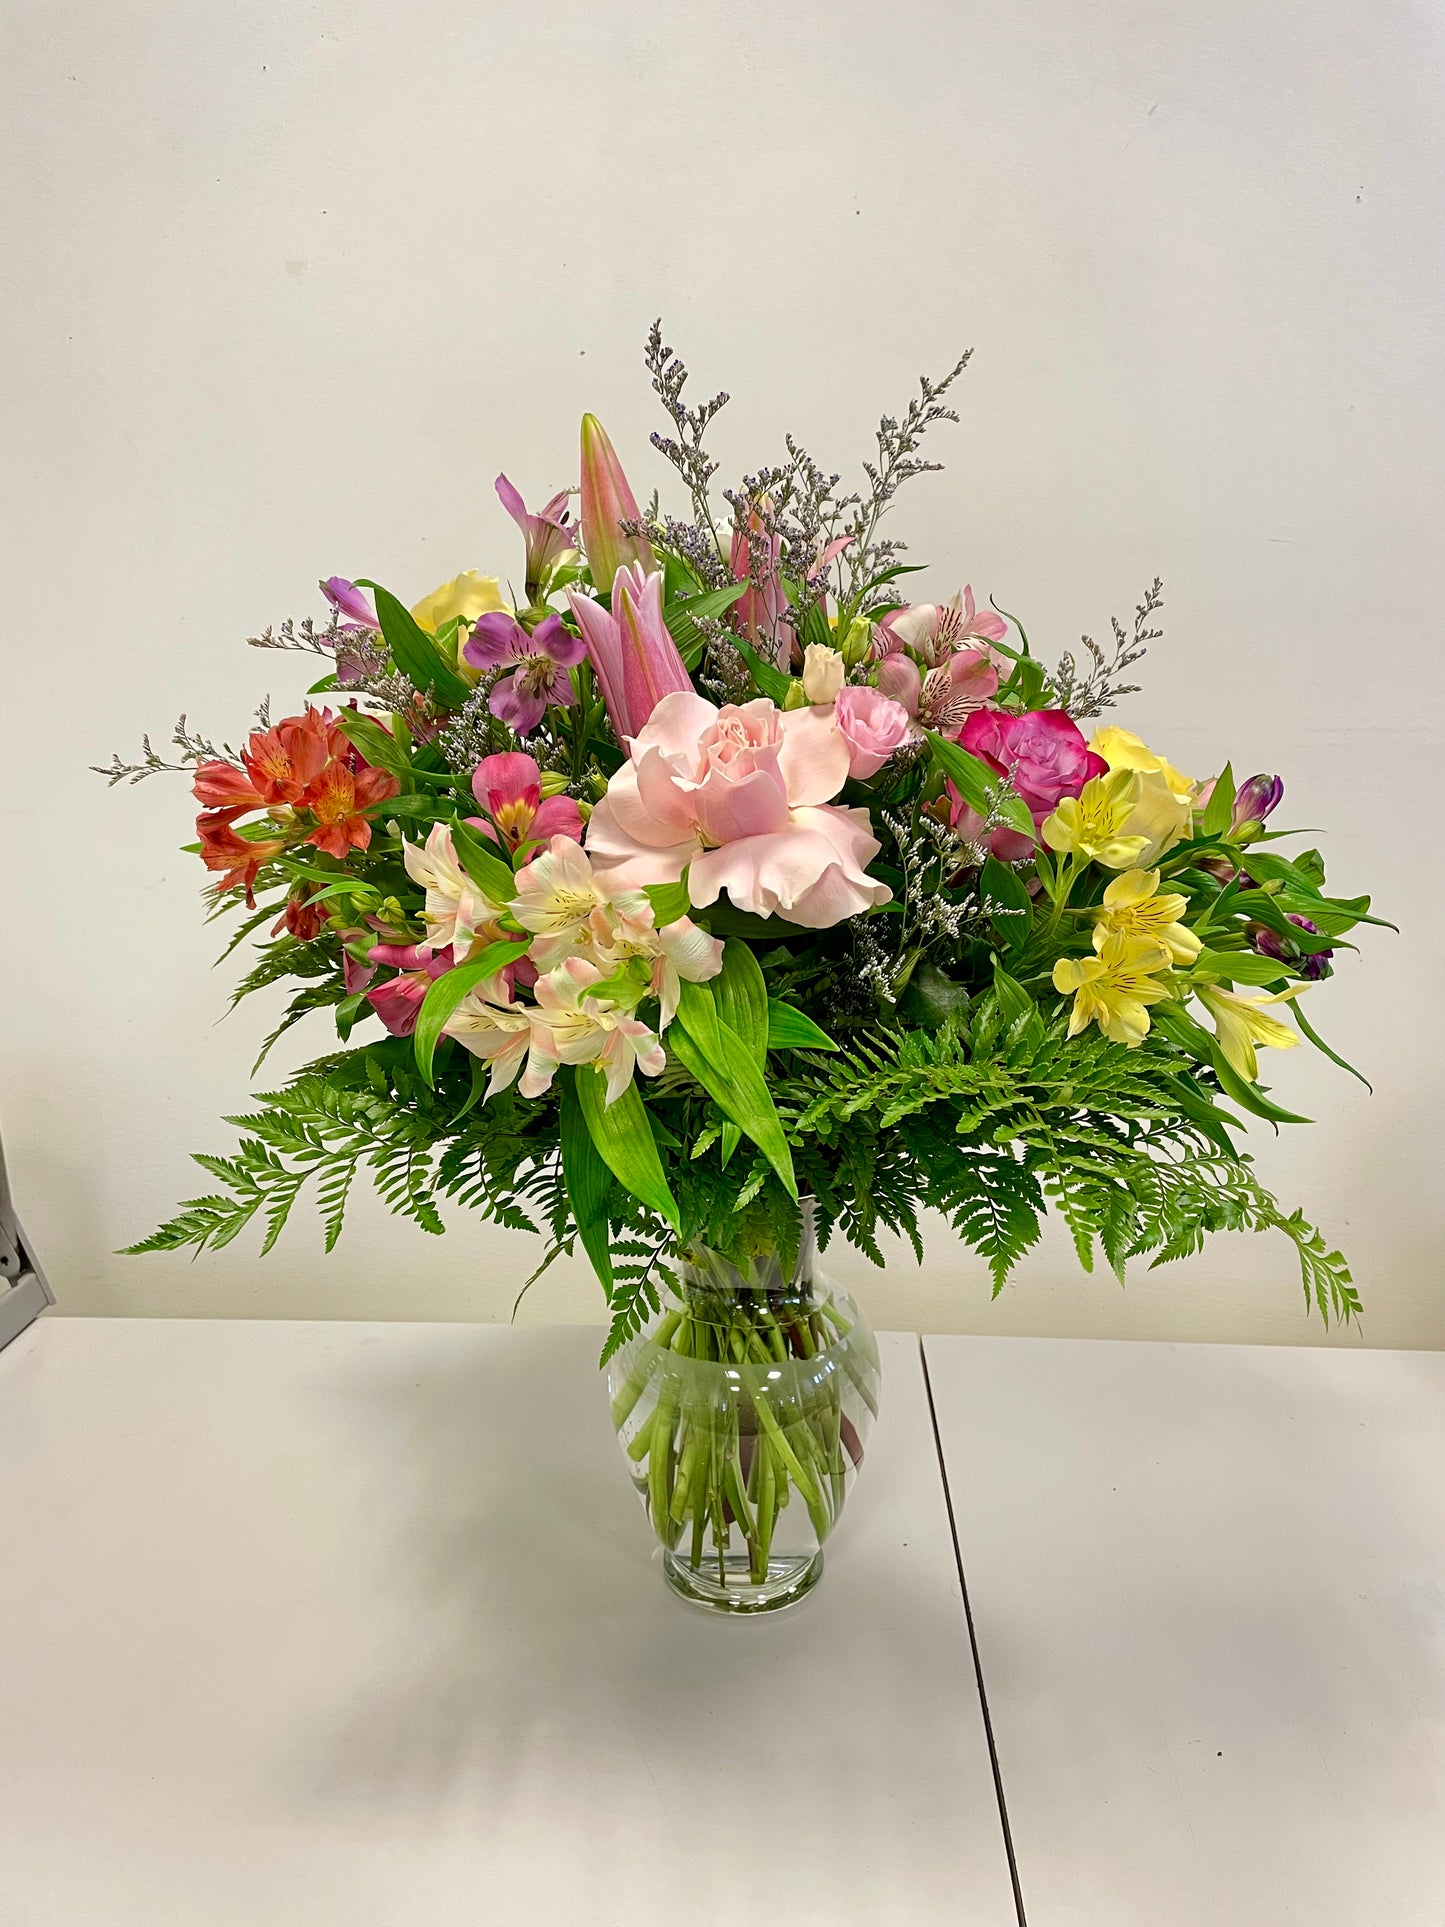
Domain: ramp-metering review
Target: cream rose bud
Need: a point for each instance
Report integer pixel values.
(822, 673)
(872, 725)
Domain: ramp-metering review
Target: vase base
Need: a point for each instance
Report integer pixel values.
(734, 1589)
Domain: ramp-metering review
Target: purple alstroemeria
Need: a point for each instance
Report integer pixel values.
(539, 662)
(1254, 801)
(358, 650)
(1312, 965)
(348, 601)
(551, 541)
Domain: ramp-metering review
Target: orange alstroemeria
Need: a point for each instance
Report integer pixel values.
(337, 799)
(238, 859)
(285, 761)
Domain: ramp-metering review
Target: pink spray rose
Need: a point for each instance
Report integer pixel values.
(741, 795)
(1043, 755)
(872, 725)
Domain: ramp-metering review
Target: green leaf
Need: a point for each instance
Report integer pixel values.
(348, 1011)
(669, 901)
(1238, 967)
(1014, 1002)
(978, 785)
(1220, 812)
(1319, 1043)
(622, 1133)
(1182, 1029)
(742, 998)
(589, 1183)
(448, 990)
(491, 873)
(415, 653)
(770, 681)
(682, 617)
(727, 1071)
(1006, 902)
(789, 1029)
(376, 745)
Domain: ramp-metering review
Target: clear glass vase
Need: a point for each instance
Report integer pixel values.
(743, 1411)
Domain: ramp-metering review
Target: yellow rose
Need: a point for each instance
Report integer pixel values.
(1160, 815)
(468, 595)
(1122, 749)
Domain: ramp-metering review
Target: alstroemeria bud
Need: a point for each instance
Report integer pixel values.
(822, 673)
(1312, 965)
(856, 646)
(1253, 802)
(607, 502)
(554, 782)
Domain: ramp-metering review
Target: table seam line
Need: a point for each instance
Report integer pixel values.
(973, 1641)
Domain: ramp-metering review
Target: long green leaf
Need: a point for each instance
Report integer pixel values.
(1238, 967)
(770, 681)
(790, 1029)
(1220, 811)
(1006, 902)
(980, 787)
(682, 616)
(589, 1183)
(415, 653)
(376, 745)
(728, 1072)
(491, 873)
(448, 990)
(1319, 1043)
(742, 998)
(622, 1132)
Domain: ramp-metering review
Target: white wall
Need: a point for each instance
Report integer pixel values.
(286, 284)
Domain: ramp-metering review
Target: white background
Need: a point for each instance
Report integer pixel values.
(287, 283)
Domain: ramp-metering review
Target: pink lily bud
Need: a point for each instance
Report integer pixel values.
(632, 651)
(607, 502)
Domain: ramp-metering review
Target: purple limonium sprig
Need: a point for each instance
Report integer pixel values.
(539, 662)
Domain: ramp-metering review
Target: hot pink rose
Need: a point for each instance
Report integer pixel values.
(872, 725)
(1041, 752)
(740, 795)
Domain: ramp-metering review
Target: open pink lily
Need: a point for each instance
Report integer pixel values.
(551, 541)
(631, 649)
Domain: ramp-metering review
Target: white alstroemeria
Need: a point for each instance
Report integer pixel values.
(455, 908)
(556, 896)
(498, 1032)
(571, 1027)
(625, 929)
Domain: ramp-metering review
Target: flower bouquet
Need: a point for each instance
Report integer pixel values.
(697, 898)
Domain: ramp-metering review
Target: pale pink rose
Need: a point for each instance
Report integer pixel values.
(872, 725)
(741, 794)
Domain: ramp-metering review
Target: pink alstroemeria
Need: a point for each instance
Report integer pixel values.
(509, 788)
(631, 649)
(398, 1001)
(933, 630)
(539, 662)
(947, 696)
(571, 1027)
(607, 502)
(551, 541)
(348, 601)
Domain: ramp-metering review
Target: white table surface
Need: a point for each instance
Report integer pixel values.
(307, 1623)
(1208, 1587)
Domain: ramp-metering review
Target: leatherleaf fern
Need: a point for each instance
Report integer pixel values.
(991, 1122)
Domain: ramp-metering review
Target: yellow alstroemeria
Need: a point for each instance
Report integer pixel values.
(1240, 1023)
(1133, 907)
(468, 595)
(1122, 749)
(1093, 824)
(1114, 988)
